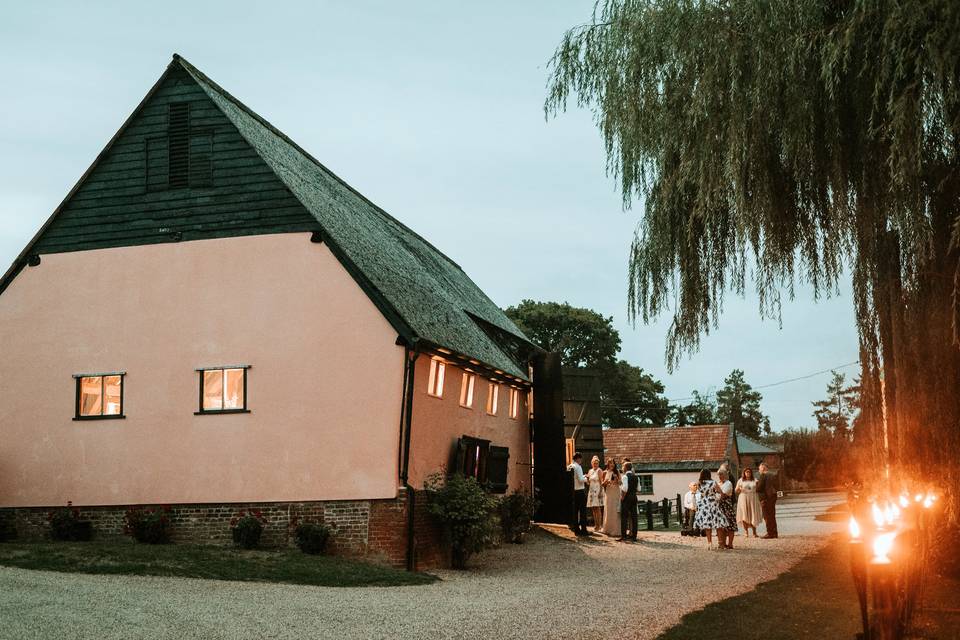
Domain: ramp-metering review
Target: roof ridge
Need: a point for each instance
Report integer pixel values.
(191, 69)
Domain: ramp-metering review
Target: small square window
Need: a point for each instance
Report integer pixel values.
(514, 403)
(223, 390)
(493, 398)
(466, 390)
(99, 396)
(435, 383)
(645, 484)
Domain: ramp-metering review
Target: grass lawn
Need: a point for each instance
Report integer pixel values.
(194, 561)
(815, 599)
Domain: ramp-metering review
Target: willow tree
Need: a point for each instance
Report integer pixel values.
(772, 143)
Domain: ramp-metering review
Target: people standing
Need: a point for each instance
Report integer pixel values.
(767, 491)
(628, 503)
(749, 512)
(595, 493)
(708, 516)
(579, 521)
(689, 508)
(727, 509)
(611, 500)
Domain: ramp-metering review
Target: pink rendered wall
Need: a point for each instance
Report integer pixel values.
(324, 388)
(438, 422)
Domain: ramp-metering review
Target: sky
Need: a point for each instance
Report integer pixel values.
(434, 111)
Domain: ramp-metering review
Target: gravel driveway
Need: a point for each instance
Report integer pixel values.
(551, 587)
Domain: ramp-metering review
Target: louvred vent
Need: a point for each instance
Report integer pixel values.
(178, 144)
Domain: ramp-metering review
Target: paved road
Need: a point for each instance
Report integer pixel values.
(551, 587)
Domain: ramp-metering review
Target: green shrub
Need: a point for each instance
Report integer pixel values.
(66, 525)
(148, 525)
(465, 511)
(516, 516)
(247, 528)
(312, 537)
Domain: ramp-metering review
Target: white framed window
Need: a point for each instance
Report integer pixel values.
(514, 403)
(435, 383)
(493, 398)
(466, 390)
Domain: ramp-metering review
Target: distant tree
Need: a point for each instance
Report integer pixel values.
(633, 398)
(739, 404)
(838, 411)
(582, 337)
(701, 410)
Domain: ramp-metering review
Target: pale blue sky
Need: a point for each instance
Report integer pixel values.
(431, 109)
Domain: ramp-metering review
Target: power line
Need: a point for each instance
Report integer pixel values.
(625, 404)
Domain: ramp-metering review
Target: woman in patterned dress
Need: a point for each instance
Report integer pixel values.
(595, 493)
(708, 516)
(727, 509)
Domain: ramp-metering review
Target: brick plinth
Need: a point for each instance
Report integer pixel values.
(374, 529)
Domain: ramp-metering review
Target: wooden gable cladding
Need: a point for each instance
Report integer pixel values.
(200, 180)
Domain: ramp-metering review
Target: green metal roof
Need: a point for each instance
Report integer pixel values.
(430, 295)
(751, 446)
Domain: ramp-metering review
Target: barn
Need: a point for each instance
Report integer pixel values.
(213, 320)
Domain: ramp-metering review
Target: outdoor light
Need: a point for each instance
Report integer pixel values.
(928, 502)
(904, 501)
(882, 545)
(877, 515)
(854, 528)
(918, 497)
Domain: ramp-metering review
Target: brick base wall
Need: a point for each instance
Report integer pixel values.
(372, 529)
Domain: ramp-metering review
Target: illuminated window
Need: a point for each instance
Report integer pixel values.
(571, 445)
(435, 383)
(466, 390)
(493, 398)
(223, 389)
(99, 396)
(514, 403)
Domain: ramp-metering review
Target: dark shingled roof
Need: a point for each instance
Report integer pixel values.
(425, 296)
(670, 447)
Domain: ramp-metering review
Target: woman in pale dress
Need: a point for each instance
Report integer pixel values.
(595, 493)
(611, 500)
(749, 513)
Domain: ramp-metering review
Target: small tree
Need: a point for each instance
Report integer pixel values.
(465, 511)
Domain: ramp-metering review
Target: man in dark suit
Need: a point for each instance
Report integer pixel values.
(628, 503)
(767, 490)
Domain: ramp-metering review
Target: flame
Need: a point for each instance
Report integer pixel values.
(877, 515)
(889, 513)
(882, 545)
(854, 528)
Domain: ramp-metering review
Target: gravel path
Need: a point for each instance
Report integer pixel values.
(551, 587)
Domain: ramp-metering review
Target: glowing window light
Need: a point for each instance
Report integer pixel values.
(882, 545)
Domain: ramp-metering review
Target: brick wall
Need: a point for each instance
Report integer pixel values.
(375, 529)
